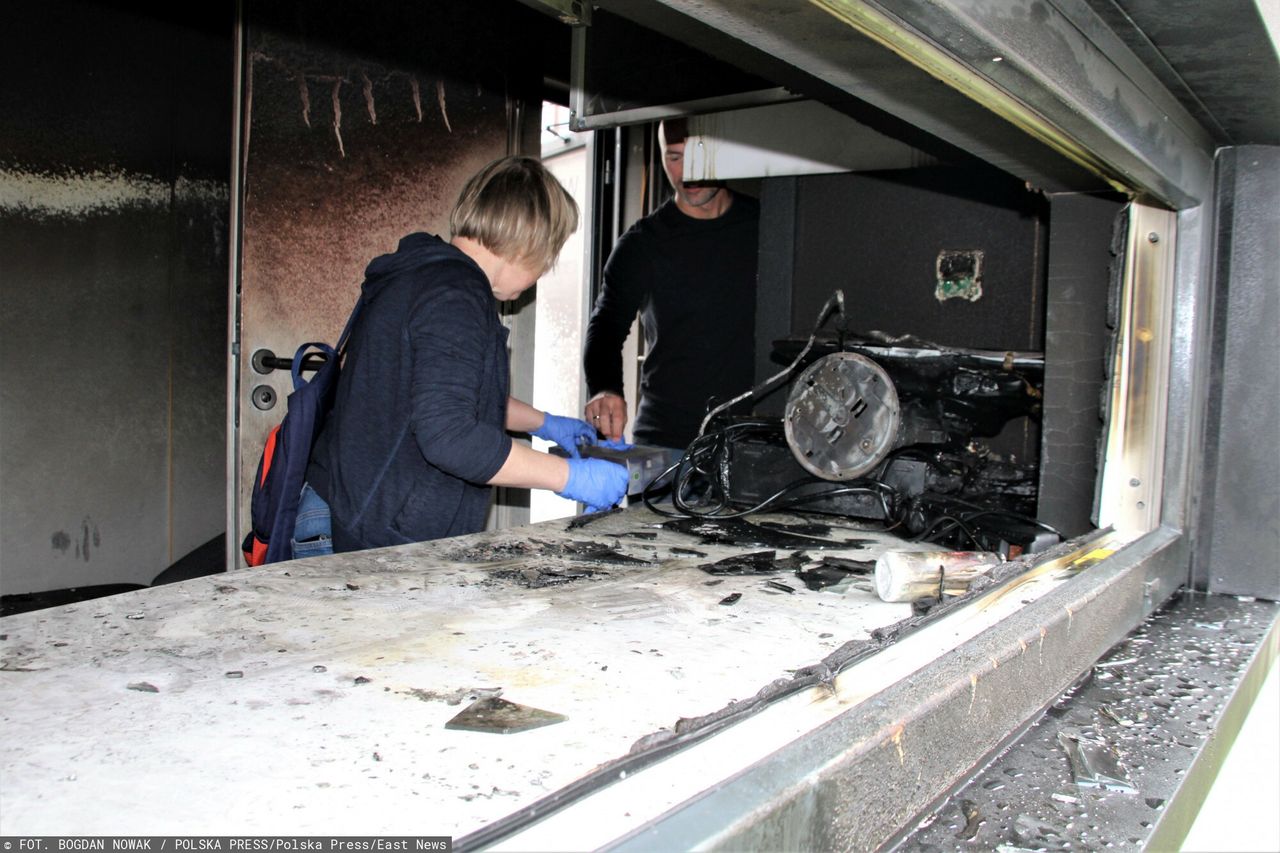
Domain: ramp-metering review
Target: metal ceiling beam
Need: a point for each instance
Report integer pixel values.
(1022, 84)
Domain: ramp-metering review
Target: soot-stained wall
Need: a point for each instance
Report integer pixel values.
(114, 165)
(896, 242)
(879, 236)
(362, 127)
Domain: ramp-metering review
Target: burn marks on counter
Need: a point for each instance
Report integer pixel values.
(537, 563)
(735, 531)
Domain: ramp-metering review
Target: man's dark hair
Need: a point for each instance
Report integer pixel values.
(674, 130)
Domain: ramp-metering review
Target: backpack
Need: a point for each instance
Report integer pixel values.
(282, 469)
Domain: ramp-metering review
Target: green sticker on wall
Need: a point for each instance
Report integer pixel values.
(959, 274)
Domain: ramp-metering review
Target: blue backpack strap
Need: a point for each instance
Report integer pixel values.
(324, 349)
(300, 356)
(306, 409)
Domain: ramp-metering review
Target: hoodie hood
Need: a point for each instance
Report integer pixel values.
(415, 251)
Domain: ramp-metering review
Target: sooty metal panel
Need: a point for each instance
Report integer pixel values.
(1242, 517)
(1076, 344)
(113, 206)
(879, 236)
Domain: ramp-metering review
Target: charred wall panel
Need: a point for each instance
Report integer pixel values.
(1076, 345)
(880, 235)
(114, 164)
(362, 127)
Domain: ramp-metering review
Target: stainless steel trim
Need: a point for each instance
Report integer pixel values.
(239, 151)
(1133, 473)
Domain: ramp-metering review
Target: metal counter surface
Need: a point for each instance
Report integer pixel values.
(311, 697)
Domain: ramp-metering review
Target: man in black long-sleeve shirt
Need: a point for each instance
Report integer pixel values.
(689, 269)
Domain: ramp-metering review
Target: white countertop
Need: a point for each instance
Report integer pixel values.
(311, 697)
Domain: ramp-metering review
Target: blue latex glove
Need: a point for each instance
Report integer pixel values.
(566, 432)
(598, 483)
(620, 444)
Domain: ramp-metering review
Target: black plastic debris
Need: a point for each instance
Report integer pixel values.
(780, 586)
(596, 552)
(756, 563)
(736, 531)
(804, 528)
(732, 598)
(833, 570)
(586, 518)
(853, 567)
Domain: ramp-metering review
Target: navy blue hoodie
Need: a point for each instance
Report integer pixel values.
(417, 427)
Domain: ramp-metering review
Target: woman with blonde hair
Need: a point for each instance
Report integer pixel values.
(419, 429)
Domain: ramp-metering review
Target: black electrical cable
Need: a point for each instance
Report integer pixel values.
(1017, 516)
(931, 534)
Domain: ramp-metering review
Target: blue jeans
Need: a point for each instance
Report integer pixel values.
(312, 530)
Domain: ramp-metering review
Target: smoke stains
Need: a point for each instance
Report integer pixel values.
(304, 95)
(88, 540)
(417, 97)
(444, 112)
(337, 115)
(369, 105)
(83, 194)
(386, 79)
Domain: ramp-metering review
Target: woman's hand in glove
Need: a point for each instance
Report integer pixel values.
(598, 483)
(566, 432)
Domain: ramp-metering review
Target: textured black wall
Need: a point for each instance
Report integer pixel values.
(1077, 338)
(878, 236)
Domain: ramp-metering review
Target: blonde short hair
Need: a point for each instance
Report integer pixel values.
(516, 209)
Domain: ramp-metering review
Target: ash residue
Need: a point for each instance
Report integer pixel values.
(579, 551)
(455, 697)
(806, 528)
(537, 577)
(494, 552)
(596, 552)
(735, 531)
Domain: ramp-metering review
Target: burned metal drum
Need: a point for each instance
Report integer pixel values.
(842, 416)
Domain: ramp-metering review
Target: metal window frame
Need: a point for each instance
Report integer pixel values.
(855, 780)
